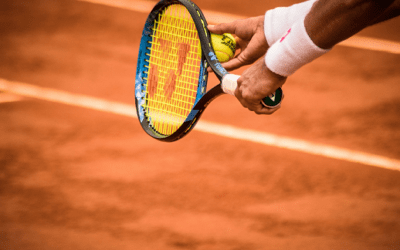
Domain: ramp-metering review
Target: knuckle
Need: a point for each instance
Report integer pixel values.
(244, 59)
(243, 104)
(246, 95)
(238, 93)
(271, 111)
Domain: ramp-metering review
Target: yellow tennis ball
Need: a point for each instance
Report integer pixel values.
(224, 46)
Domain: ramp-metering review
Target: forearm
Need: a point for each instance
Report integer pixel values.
(294, 40)
(389, 13)
(332, 21)
(326, 24)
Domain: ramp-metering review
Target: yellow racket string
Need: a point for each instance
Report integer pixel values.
(173, 70)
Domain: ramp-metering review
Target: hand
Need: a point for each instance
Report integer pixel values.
(250, 39)
(256, 83)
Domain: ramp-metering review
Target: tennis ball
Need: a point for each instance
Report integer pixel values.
(224, 46)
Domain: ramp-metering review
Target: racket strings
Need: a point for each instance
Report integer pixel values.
(173, 70)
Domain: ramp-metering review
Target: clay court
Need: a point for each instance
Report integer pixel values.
(78, 172)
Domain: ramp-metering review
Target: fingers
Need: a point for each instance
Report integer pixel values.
(229, 66)
(240, 44)
(243, 28)
(255, 49)
(254, 104)
(261, 110)
(246, 57)
(256, 83)
(233, 64)
(250, 51)
(223, 28)
(237, 61)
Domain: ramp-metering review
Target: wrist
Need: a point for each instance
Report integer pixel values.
(260, 29)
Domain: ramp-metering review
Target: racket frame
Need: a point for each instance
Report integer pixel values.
(208, 59)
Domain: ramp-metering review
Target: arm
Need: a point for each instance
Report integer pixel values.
(391, 12)
(328, 23)
(255, 35)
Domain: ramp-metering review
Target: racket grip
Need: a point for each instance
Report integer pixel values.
(229, 85)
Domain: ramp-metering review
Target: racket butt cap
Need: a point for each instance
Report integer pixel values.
(274, 100)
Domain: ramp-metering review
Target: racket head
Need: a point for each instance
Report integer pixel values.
(176, 119)
(171, 75)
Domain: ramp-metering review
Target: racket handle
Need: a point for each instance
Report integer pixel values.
(229, 85)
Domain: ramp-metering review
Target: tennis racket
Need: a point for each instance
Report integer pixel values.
(171, 77)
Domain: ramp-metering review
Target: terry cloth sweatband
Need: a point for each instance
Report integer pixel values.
(292, 51)
(277, 21)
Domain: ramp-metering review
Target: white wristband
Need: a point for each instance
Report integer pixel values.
(292, 51)
(277, 21)
(229, 83)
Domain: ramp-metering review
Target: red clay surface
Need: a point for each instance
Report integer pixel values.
(73, 178)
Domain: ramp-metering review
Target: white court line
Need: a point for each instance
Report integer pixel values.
(27, 90)
(219, 17)
(374, 44)
(59, 96)
(6, 97)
